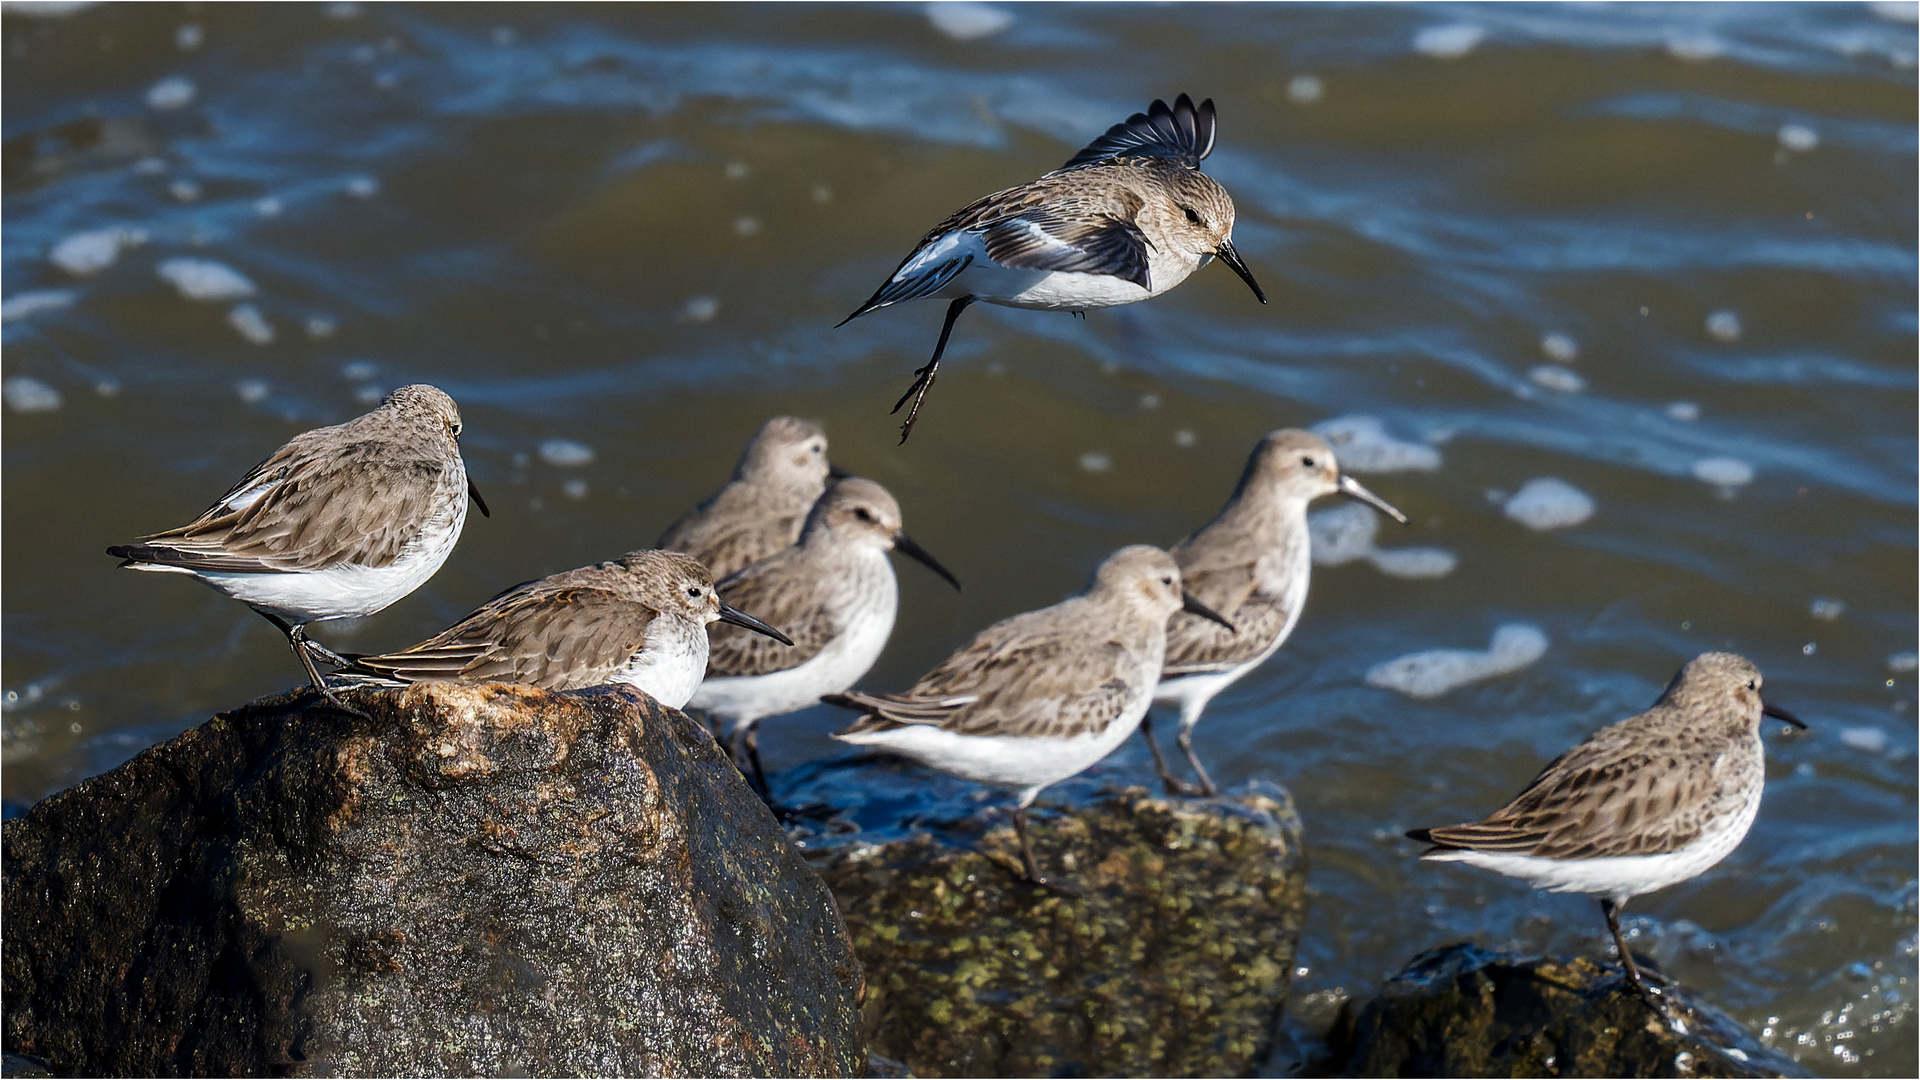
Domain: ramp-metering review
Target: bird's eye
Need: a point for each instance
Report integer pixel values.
(863, 514)
(1191, 214)
(1307, 461)
(1166, 581)
(694, 591)
(1753, 684)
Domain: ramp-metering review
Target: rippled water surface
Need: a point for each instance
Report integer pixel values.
(1664, 255)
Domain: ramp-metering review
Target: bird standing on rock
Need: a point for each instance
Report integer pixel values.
(1127, 218)
(640, 619)
(339, 523)
(1041, 696)
(1251, 563)
(762, 508)
(1640, 805)
(834, 592)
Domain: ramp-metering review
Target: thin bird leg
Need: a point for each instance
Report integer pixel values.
(1185, 740)
(297, 639)
(1175, 785)
(1033, 865)
(745, 747)
(925, 376)
(1647, 993)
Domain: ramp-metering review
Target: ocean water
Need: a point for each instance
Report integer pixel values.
(1616, 302)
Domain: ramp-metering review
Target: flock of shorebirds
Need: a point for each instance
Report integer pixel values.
(343, 521)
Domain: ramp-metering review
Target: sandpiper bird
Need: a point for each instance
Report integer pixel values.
(1642, 804)
(341, 521)
(834, 592)
(1127, 218)
(761, 509)
(1038, 697)
(1251, 563)
(640, 620)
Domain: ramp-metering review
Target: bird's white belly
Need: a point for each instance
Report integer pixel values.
(1047, 290)
(850, 655)
(348, 590)
(671, 666)
(1618, 876)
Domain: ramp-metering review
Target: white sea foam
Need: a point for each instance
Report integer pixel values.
(964, 20)
(1724, 326)
(26, 394)
(94, 250)
(1306, 89)
(369, 394)
(575, 488)
(1798, 137)
(1448, 42)
(1345, 532)
(1560, 348)
(172, 92)
(565, 453)
(1826, 608)
(321, 326)
(188, 37)
(205, 279)
(1694, 45)
(363, 187)
(1435, 672)
(1185, 438)
(253, 391)
(1557, 378)
(1900, 11)
(1362, 445)
(46, 9)
(1867, 740)
(28, 304)
(1547, 503)
(1094, 461)
(1414, 563)
(251, 325)
(359, 370)
(1683, 410)
(1903, 662)
(700, 309)
(1726, 472)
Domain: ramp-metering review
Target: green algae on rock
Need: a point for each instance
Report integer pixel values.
(1462, 1011)
(478, 880)
(1175, 960)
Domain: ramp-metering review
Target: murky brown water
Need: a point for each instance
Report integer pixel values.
(635, 228)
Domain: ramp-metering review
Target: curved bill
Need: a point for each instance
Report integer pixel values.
(836, 472)
(904, 545)
(729, 613)
(1767, 708)
(477, 500)
(1352, 489)
(1191, 603)
(1231, 257)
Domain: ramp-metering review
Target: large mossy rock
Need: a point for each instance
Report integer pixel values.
(1175, 960)
(1462, 1011)
(472, 880)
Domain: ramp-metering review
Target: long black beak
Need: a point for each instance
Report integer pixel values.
(1352, 489)
(837, 472)
(477, 500)
(904, 545)
(1191, 603)
(729, 613)
(1769, 709)
(1232, 258)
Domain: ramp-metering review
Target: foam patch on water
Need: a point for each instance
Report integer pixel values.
(172, 92)
(1694, 45)
(1362, 445)
(253, 391)
(1724, 472)
(1094, 461)
(93, 251)
(1903, 662)
(1547, 503)
(1900, 11)
(1798, 137)
(1343, 533)
(700, 309)
(26, 394)
(1437, 671)
(1826, 608)
(1685, 411)
(964, 20)
(1557, 378)
(1724, 326)
(47, 9)
(1448, 42)
(28, 304)
(205, 279)
(565, 453)
(1560, 348)
(251, 325)
(1305, 89)
(1867, 740)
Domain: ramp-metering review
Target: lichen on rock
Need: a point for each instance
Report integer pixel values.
(1174, 960)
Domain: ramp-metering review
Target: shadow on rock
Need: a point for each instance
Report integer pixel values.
(1175, 960)
(1462, 1011)
(470, 880)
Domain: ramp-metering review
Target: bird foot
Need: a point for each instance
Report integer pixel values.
(1183, 789)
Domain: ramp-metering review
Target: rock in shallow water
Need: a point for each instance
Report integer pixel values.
(1462, 1011)
(1175, 962)
(475, 880)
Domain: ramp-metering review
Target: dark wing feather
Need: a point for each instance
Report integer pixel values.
(800, 613)
(356, 503)
(1043, 239)
(562, 638)
(1183, 133)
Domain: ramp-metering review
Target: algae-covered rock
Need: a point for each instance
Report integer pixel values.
(470, 880)
(1461, 1011)
(1174, 961)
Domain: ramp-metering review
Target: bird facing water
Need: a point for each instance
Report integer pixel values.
(340, 522)
(762, 508)
(640, 620)
(1640, 805)
(1251, 563)
(1040, 696)
(834, 592)
(1125, 219)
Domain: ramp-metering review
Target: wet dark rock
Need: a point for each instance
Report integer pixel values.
(1462, 1011)
(1174, 961)
(486, 880)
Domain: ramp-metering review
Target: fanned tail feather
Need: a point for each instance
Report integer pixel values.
(1183, 133)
